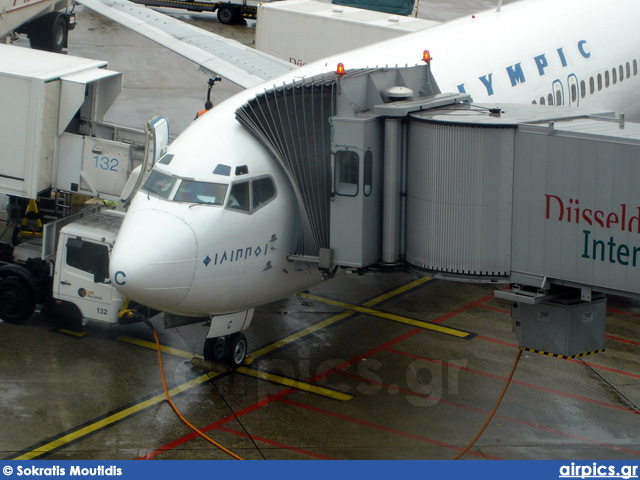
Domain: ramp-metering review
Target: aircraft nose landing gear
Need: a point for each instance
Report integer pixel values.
(231, 349)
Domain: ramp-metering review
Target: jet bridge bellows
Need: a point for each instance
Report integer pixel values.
(301, 124)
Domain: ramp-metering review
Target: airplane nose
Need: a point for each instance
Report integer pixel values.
(154, 258)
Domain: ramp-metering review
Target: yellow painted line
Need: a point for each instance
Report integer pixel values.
(289, 382)
(330, 321)
(176, 352)
(270, 377)
(116, 417)
(391, 316)
(296, 336)
(397, 291)
(72, 333)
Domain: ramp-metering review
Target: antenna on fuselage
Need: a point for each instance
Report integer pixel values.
(499, 5)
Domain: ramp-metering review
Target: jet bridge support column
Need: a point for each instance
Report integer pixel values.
(393, 148)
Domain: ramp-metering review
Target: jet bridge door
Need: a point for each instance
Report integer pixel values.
(356, 195)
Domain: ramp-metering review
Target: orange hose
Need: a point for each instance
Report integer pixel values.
(175, 409)
(513, 369)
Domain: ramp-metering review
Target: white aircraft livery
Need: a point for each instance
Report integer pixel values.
(211, 229)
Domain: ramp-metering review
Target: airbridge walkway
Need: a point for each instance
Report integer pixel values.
(537, 197)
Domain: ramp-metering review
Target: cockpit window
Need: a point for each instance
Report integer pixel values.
(159, 184)
(239, 197)
(263, 191)
(251, 195)
(201, 192)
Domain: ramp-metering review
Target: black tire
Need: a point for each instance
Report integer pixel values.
(58, 34)
(17, 300)
(49, 33)
(66, 315)
(214, 349)
(226, 15)
(237, 349)
(15, 236)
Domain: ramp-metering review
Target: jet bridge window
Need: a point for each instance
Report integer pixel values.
(201, 192)
(89, 257)
(347, 165)
(368, 172)
(159, 184)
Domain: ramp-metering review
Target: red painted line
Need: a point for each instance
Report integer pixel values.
(622, 312)
(602, 367)
(219, 423)
(182, 440)
(495, 340)
(495, 309)
(487, 413)
(367, 354)
(623, 340)
(579, 361)
(275, 444)
(381, 427)
(458, 311)
(518, 382)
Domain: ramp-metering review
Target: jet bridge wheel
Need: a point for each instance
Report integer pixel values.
(17, 300)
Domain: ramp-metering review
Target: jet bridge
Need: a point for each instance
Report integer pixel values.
(389, 171)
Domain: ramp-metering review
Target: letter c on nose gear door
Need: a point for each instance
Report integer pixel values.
(119, 277)
(229, 326)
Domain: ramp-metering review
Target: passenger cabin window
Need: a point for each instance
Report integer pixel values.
(89, 257)
(346, 173)
(159, 184)
(201, 192)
